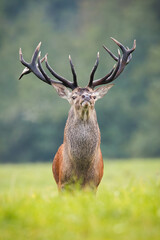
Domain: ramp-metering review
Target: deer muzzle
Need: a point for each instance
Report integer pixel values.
(86, 101)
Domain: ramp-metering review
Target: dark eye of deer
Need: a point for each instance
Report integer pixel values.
(83, 96)
(74, 97)
(94, 97)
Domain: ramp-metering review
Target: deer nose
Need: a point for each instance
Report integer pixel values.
(86, 97)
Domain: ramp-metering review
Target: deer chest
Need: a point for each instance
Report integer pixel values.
(83, 140)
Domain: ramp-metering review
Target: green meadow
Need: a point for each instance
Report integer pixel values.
(126, 206)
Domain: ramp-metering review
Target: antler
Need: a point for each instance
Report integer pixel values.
(122, 61)
(37, 69)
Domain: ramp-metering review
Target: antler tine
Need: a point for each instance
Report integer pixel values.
(48, 80)
(110, 53)
(134, 46)
(73, 72)
(35, 54)
(93, 71)
(119, 44)
(22, 59)
(65, 82)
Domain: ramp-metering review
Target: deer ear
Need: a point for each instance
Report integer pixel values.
(62, 91)
(101, 91)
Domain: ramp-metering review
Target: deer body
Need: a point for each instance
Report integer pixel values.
(79, 158)
(80, 154)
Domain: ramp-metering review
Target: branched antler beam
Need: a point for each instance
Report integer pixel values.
(122, 61)
(38, 70)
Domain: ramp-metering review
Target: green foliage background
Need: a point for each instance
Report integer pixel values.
(33, 117)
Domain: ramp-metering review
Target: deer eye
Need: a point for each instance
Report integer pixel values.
(74, 97)
(94, 97)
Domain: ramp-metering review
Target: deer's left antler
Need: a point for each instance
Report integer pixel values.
(122, 61)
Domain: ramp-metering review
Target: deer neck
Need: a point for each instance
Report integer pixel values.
(82, 116)
(82, 135)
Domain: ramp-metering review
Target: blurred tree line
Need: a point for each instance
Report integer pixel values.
(33, 117)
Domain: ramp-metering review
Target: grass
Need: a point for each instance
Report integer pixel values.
(126, 207)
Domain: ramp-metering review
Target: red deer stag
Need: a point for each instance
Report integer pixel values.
(79, 158)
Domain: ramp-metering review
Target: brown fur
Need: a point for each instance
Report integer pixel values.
(79, 158)
(57, 163)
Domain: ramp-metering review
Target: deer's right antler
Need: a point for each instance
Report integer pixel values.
(37, 69)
